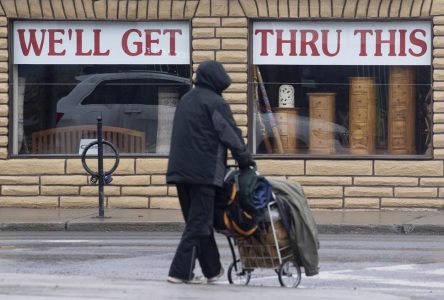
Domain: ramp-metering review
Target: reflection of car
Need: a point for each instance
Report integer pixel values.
(127, 100)
(302, 124)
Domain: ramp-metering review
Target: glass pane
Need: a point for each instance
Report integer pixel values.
(342, 110)
(60, 105)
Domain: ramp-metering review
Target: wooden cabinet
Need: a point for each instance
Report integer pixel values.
(322, 120)
(287, 122)
(401, 111)
(362, 117)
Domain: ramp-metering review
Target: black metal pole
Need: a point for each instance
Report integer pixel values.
(100, 166)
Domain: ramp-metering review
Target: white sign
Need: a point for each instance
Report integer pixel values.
(85, 142)
(342, 43)
(77, 42)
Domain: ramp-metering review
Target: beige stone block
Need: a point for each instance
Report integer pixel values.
(4, 121)
(238, 77)
(59, 190)
(3, 153)
(415, 192)
(164, 9)
(32, 166)
(100, 8)
(4, 98)
(325, 203)
(3, 21)
(127, 202)
(386, 181)
(408, 168)
(412, 202)
(236, 10)
(65, 180)
(438, 63)
(4, 87)
(438, 20)
(228, 56)
(353, 191)
(232, 32)
(269, 167)
(438, 74)
(338, 167)
(321, 180)
(20, 190)
(438, 52)
(178, 10)
(158, 180)
(438, 118)
(144, 191)
(438, 96)
(431, 181)
(241, 119)
(94, 190)
(164, 202)
(151, 165)
(438, 153)
(126, 166)
(249, 7)
(438, 30)
(200, 56)
(438, 42)
(172, 191)
(437, 8)
(206, 22)
(323, 191)
(15, 180)
(234, 44)
(438, 128)
(3, 43)
(29, 202)
(4, 131)
(206, 44)
(438, 140)
(4, 140)
(219, 8)
(78, 202)
(361, 203)
(234, 22)
(131, 180)
(203, 33)
(235, 97)
(237, 88)
(238, 108)
(203, 8)
(235, 67)
(4, 34)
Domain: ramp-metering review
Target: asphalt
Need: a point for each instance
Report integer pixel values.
(338, 221)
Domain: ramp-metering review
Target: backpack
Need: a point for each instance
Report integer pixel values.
(248, 194)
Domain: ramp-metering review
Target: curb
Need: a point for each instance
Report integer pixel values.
(406, 229)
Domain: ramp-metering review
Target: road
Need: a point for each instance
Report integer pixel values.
(402, 265)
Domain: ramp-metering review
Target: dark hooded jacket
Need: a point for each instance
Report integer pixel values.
(203, 130)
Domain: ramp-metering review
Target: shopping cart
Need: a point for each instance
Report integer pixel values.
(269, 248)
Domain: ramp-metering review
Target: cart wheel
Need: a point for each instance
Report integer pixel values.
(289, 274)
(237, 275)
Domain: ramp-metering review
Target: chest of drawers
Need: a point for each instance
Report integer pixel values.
(322, 119)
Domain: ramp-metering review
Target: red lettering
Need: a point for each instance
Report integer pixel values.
(172, 33)
(418, 42)
(325, 42)
(391, 41)
(137, 44)
(280, 41)
(310, 43)
(264, 33)
(402, 45)
(363, 33)
(53, 41)
(97, 44)
(79, 44)
(149, 41)
(26, 48)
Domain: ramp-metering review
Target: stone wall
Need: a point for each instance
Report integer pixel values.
(220, 31)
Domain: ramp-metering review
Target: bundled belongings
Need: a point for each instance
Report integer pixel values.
(299, 222)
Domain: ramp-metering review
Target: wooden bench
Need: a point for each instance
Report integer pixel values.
(66, 140)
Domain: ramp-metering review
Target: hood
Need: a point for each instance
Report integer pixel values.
(212, 74)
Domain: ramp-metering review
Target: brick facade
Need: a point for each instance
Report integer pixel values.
(220, 31)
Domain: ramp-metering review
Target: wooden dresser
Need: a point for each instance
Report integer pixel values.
(362, 115)
(287, 122)
(322, 119)
(401, 111)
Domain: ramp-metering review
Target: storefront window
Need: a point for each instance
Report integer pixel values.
(132, 75)
(335, 88)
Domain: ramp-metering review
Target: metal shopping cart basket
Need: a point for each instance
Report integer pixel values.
(268, 248)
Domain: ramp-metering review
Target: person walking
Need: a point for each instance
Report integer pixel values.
(203, 130)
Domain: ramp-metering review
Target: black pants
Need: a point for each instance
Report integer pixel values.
(197, 204)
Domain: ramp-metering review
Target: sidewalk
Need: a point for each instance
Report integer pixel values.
(365, 222)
